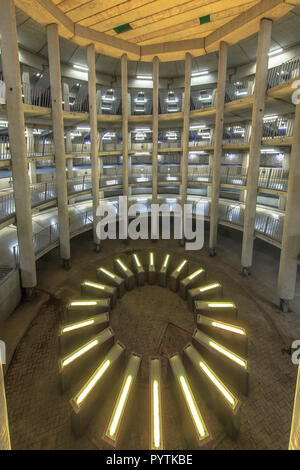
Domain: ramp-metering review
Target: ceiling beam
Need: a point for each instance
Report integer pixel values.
(247, 23)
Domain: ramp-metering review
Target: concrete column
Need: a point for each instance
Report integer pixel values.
(264, 41)
(290, 246)
(16, 130)
(124, 61)
(218, 141)
(94, 139)
(59, 145)
(155, 129)
(4, 429)
(186, 127)
(26, 85)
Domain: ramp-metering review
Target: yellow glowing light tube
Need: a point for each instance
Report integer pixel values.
(151, 259)
(79, 353)
(181, 266)
(137, 260)
(221, 305)
(210, 287)
(93, 284)
(83, 303)
(120, 406)
(121, 264)
(107, 273)
(195, 274)
(220, 386)
(113, 429)
(156, 415)
(156, 433)
(76, 326)
(225, 326)
(195, 413)
(92, 382)
(166, 261)
(227, 353)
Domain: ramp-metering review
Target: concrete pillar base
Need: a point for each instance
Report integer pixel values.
(97, 247)
(284, 305)
(29, 293)
(66, 264)
(245, 271)
(182, 242)
(212, 252)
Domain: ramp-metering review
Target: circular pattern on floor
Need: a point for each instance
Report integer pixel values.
(132, 271)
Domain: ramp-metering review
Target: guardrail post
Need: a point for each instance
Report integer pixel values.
(264, 41)
(15, 114)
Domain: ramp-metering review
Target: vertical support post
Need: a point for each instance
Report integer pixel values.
(94, 139)
(218, 146)
(264, 41)
(155, 129)
(16, 130)
(186, 128)
(59, 145)
(4, 429)
(124, 62)
(290, 244)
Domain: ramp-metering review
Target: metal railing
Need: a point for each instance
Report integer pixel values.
(270, 226)
(273, 178)
(234, 175)
(37, 96)
(276, 128)
(140, 178)
(201, 99)
(239, 89)
(200, 175)
(80, 105)
(283, 73)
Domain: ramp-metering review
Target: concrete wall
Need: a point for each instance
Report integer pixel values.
(10, 294)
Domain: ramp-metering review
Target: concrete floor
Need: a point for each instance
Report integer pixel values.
(151, 320)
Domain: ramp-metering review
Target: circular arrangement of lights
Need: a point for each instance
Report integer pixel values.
(214, 361)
